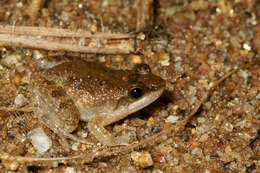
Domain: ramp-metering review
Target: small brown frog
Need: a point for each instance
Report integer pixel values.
(91, 92)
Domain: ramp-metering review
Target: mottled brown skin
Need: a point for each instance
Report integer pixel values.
(91, 92)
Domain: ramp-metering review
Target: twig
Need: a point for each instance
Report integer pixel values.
(12, 109)
(58, 32)
(145, 16)
(122, 47)
(34, 8)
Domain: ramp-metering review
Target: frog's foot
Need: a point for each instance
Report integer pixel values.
(96, 128)
(62, 133)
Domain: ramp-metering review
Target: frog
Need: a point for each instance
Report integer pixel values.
(90, 91)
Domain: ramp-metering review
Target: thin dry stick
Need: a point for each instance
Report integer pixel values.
(13, 109)
(58, 32)
(125, 46)
(88, 157)
(34, 8)
(145, 16)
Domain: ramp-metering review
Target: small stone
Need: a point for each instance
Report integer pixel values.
(166, 126)
(178, 66)
(156, 129)
(164, 59)
(243, 73)
(55, 164)
(204, 137)
(83, 147)
(150, 122)
(157, 171)
(201, 120)
(93, 28)
(142, 159)
(228, 127)
(37, 55)
(12, 166)
(82, 133)
(17, 79)
(197, 151)
(40, 140)
(199, 5)
(65, 16)
(141, 36)
(246, 46)
(69, 170)
(12, 59)
(204, 68)
(136, 59)
(80, 5)
(20, 100)
(75, 146)
(228, 150)
(171, 119)
(102, 165)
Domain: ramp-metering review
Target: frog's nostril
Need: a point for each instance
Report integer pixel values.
(142, 69)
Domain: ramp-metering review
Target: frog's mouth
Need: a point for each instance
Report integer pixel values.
(125, 109)
(144, 101)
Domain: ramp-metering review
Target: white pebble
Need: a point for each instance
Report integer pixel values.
(243, 74)
(70, 170)
(75, 146)
(246, 46)
(12, 59)
(40, 140)
(80, 5)
(20, 100)
(37, 55)
(171, 119)
(178, 58)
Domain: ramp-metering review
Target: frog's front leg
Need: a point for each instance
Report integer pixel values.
(96, 127)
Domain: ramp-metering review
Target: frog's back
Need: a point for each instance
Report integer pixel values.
(82, 77)
(91, 85)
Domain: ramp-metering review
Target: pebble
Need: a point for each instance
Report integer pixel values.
(37, 55)
(164, 59)
(171, 119)
(70, 170)
(40, 141)
(136, 59)
(20, 100)
(156, 129)
(12, 59)
(12, 166)
(142, 159)
(75, 147)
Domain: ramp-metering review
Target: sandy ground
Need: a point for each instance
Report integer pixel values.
(190, 44)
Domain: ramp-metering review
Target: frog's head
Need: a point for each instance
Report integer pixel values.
(143, 89)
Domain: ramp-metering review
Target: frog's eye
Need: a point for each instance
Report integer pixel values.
(136, 92)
